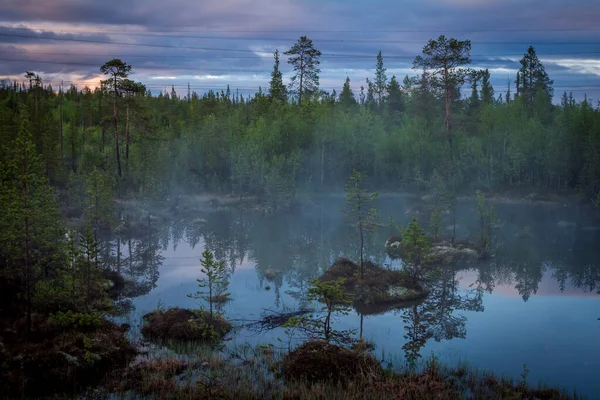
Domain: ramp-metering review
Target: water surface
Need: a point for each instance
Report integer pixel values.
(536, 302)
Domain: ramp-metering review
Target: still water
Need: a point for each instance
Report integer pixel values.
(536, 302)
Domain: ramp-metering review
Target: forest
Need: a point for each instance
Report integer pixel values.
(67, 154)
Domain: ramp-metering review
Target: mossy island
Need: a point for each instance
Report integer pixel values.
(182, 324)
(379, 289)
(201, 325)
(440, 252)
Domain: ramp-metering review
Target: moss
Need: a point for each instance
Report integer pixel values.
(321, 361)
(381, 288)
(183, 324)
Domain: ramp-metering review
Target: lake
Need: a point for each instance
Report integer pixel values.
(535, 303)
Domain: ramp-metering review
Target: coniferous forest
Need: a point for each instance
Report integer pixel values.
(66, 153)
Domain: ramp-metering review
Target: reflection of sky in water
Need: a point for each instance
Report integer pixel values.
(555, 333)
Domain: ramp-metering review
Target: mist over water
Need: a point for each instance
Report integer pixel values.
(536, 302)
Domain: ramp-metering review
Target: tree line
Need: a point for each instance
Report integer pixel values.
(290, 139)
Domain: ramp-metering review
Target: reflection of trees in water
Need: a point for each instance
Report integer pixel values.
(436, 317)
(569, 256)
(135, 253)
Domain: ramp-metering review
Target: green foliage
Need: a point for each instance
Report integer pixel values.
(363, 218)
(214, 284)
(435, 223)
(277, 90)
(335, 300)
(305, 60)
(487, 219)
(75, 320)
(416, 247)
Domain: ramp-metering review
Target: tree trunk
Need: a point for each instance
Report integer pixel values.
(73, 155)
(28, 270)
(322, 162)
(127, 136)
(116, 121)
(301, 77)
(60, 99)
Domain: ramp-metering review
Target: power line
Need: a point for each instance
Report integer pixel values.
(127, 32)
(253, 51)
(271, 39)
(215, 56)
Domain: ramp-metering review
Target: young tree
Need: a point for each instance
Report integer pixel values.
(117, 70)
(380, 80)
(305, 60)
(365, 220)
(332, 294)
(487, 218)
(277, 89)
(216, 281)
(416, 246)
(335, 301)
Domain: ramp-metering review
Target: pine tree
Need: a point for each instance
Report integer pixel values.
(118, 71)
(365, 220)
(445, 59)
(277, 89)
(305, 60)
(216, 281)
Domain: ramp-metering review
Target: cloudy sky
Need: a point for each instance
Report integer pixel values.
(210, 44)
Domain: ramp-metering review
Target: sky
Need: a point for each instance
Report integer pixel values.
(210, 44)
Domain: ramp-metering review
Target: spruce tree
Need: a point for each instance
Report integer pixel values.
(395, 98)
(347, 98)
(532, 77)
(277, 89)
(380, 84)
(487, 91)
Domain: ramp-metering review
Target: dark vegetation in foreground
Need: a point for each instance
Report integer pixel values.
(314, 370)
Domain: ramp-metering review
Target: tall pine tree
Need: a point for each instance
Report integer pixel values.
(305, 60)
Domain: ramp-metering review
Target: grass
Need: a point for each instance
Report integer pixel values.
(315, 370)
(380, 289)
